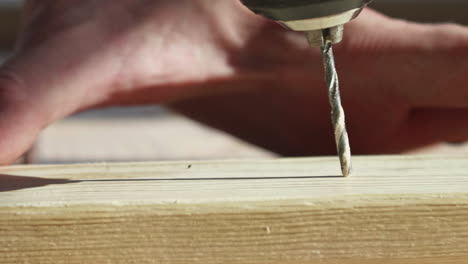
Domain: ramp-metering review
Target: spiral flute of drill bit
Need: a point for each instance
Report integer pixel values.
(338, 115)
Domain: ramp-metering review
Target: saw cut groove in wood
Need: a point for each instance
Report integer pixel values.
(411, 210)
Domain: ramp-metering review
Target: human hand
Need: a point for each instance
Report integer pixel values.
(404, 86)
(223, 65)
(80, 54)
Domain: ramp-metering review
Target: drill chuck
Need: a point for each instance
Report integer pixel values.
(308, 15)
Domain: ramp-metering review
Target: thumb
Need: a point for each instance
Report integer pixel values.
(20, 119)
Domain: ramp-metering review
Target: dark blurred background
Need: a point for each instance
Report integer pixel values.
(151, 133)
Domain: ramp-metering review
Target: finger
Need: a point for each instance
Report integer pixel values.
(429, 126)
(20, 119)
(424, 65)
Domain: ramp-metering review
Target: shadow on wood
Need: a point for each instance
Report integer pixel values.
(13, 183)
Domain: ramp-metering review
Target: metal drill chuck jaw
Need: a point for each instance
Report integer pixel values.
(311, 16)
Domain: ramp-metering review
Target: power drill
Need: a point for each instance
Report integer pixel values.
(323, 23)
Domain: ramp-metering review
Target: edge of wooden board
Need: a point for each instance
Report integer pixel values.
(421, 218)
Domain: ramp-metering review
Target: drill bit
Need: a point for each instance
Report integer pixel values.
(328, 37)
(323, 22)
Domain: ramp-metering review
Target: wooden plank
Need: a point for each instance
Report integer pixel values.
(411, 210)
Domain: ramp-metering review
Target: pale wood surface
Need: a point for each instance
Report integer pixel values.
(410, 210)
(138, 138)
(146, 134)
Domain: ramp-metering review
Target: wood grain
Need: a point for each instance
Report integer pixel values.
(411, 210)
